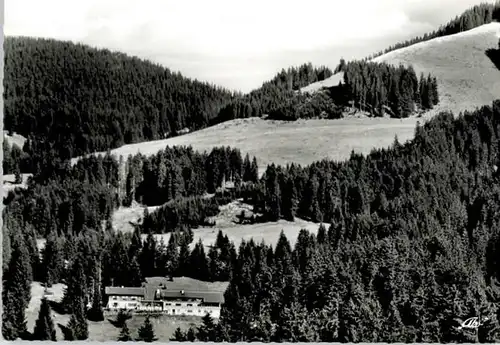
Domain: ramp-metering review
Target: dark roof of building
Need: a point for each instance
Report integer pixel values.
(207, 297)
(191, 288)
(124, 291)
(185, 283)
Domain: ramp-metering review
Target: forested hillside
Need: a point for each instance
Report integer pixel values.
(70, 99)
(273, 93)
(78, 99)
(376, 88)
(414, 240)
(412, 248)
(70, 200)
(413, 244)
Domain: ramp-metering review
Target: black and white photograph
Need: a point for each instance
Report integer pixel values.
(251, 171)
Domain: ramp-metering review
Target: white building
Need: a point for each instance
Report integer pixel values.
(124, 297)
(168, 297)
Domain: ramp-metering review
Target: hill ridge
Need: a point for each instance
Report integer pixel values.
(456, 91)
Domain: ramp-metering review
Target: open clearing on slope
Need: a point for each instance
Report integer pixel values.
(466, 76)
(281, 142)
(8, 182)
(226, 221)
(15, 139)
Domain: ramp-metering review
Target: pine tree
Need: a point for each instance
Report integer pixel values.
(44, 327)
(122, 317)
(430, 91)
(191, 334)
(71, 327)
(184, 254)
(179, 335)
(172, 255)
(148, 257)
(207, 331)
(96, 312)
(52, 259)
(254, 171)
(273, 193)
(135, 275)
(75, 300)
(18, 177)
(75, 292)
(247, 166)
(124, 333)
(16, 292)
(322, 234)
(435, 93)
(146, 332)
(199, 263)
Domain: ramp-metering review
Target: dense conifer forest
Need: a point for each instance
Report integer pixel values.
(411, 248)
(411, 226)
(86, 99)
(376, 88)
(70, 99)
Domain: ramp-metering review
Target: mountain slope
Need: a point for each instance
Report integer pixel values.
(280, 142)
(467, 78)
(77, 99)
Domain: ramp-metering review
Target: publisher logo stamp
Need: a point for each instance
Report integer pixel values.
(472, 323)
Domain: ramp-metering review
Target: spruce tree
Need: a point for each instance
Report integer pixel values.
(51, 260)
(179, 335)
(172, 255)
(435, 93)
(207, 331)
(96, 312)
(71, 329)
(430, 91)
(191, 334)
(199, 263)
(44, 327)
(18, 177)
(184, 256)
(247, 169)
(254, 171)
(16, 292)
(146, 332)
(125, 333)
(147, 259)
(75, 300)
(322, 236)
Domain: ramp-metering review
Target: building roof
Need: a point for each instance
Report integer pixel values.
(207, 297)
(178, 288)
(124, 291)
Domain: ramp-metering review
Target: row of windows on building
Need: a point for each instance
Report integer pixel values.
(115, 305)
(126, 298)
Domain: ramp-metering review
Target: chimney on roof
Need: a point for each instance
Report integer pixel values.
(182, 292)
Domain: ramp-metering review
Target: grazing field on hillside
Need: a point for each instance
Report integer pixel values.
(164, 326)
(16, 139)
(280, 142)
(8, 182)
(227, 221)
(467, 78)
(124, 216)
